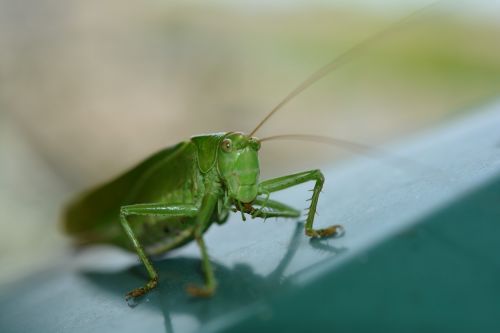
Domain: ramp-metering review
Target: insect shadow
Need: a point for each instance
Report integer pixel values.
(239, 285)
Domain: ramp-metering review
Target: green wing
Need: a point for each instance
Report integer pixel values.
(93, 217)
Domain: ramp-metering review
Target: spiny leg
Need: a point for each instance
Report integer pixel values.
(271, 208)
(262, 202)
(280, 183)
(155, 209)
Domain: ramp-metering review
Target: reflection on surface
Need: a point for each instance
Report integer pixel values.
(239, 288)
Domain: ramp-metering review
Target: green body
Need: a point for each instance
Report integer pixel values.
(175, 195)
(171, 176)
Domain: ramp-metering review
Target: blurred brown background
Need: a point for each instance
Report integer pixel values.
(89, 88)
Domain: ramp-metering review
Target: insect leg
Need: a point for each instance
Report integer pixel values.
(155, 209)
(281, 183)
(203, 219)
(262, 203)
(179, 239)
(272, 208)
(210, 284)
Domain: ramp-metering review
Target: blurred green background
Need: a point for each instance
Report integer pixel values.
(88, 88)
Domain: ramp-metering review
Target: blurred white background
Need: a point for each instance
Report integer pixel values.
(89, 88)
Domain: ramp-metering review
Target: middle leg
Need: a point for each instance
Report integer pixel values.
(154, 209)
(271, 208)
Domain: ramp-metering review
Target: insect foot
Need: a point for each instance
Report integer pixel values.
(336, 230)
(200, 292)
(143, 290)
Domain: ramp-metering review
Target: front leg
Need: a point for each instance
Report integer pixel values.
(281, 183)
(271, 208)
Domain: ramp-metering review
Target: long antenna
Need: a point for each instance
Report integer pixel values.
(338, 61)
(345, 144)
(358, 148)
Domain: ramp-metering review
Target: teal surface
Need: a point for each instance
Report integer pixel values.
(441, 275)
(420, 253)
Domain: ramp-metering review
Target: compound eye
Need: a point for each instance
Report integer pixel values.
(227, 145)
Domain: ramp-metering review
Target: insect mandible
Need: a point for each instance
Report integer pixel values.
(175, 195)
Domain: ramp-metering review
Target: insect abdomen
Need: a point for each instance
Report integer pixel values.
(94, 216)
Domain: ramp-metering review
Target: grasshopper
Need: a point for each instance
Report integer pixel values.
(174, 196)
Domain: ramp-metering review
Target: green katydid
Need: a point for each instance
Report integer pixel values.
(178, 193)
(175, 195)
